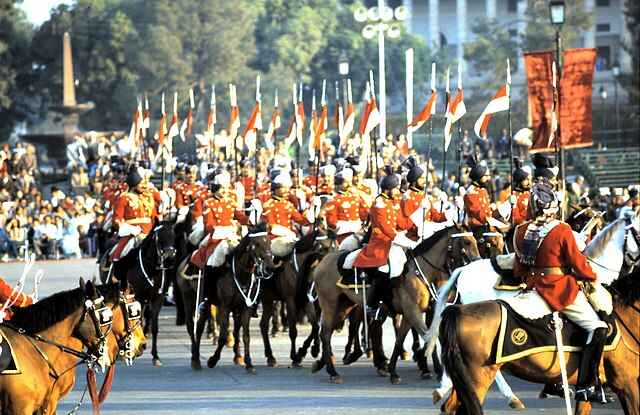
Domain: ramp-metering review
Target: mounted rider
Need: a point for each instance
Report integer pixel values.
(280, 215)
(7, 296)
(415, 199)
(521, 193)
(221, 224)
(187, 192)
(477, 203)
(346, 212)
(384, 251)
(548, 259)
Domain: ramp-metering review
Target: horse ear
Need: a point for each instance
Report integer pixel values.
(81, 283)
(123, 284)
(90, 290)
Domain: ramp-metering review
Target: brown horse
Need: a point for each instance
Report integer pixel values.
(289, 284)
(336, 303)
(48, 337)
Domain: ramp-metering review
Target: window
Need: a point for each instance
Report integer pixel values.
(512, 6)
(603, 58)
(603, 3)
(603, 27)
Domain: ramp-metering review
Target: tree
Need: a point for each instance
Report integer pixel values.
(540, 34)
(15, 70)
(631, 82)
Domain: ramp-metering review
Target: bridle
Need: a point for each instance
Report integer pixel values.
(132, 313)
(258, 273)
(161, 255)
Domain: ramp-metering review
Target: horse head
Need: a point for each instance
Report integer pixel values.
(258, 247)
(95, 325)
(462, 247)
(491, 243)
(322, 241)
(587, 221)
(165, 240)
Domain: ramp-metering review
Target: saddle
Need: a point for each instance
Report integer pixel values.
(520, 336)
(8, 363)
(351, 278)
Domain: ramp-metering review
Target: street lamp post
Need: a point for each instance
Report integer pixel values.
(603, 95)
(381, 20)
(343, 70)
(616, 73)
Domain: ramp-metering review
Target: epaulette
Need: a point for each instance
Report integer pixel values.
(380, 203)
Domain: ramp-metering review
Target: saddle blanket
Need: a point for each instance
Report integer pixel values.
(520, 336)
(8, 363)
(349, 277)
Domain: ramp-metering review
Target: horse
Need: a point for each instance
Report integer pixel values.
(146, 270)
(236, 290)
(477, 323)
(289, 284)
(50, 336)
(336, 302)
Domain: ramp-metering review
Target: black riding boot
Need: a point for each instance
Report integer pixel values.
(588, 387)
(376, 295)
(210, 285)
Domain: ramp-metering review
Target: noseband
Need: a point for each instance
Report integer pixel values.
(132, 313)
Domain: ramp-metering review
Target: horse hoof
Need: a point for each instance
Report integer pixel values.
(383, 373)
(214, 340)
(336, 380)
(516, 403)
(437, 397)
(230, 342)
(274, 334)
(316, 366)
(238, 361)
(271, 362)
(426, 375)
(369, 354)
(195, 364)
(212, 362)
(251, 370)
(396, 380)
(404, 356)
(296, 364)
(315, 351)
(351, 358)
(157, 362)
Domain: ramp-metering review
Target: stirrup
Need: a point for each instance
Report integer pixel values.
(594, 394)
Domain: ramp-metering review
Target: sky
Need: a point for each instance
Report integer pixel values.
(38, 10)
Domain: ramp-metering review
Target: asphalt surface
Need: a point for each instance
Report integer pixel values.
(175, 388)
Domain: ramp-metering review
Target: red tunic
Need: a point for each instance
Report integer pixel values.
(186, 194)
(386, 216)
(22, 300)
(345, 206)
(558, 249)
(477, 206)
(411, 201)
(520, 208)
(279, 211)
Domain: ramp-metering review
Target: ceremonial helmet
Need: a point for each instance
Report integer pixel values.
(544, 168)
(478, 171)
(133, 177)
(281, 180)
(415, 171)
(519, 173)
(390, 181)
(344, 175)
(543, 200)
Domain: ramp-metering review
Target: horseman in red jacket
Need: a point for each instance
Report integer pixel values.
(7, 296)
(520, 195)
(548, 260)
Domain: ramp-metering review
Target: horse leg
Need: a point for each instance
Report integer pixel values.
(313, 311)
(293, 330)
(380, 361)
(156, 304)
(415, 346)
(195, 347)
(397, 321)
(223, 315)
(267, 313)
(354, 337)
(313, 336)
(505, 389)
(246, 339)
(238, 359)
(401, 334)
(349, 345)
(189, 305)
(275, 323)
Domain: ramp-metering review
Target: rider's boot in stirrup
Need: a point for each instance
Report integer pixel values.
(588, 387)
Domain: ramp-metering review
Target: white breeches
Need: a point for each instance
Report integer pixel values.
(583, 314)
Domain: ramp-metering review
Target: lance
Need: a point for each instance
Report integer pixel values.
(299, 128)
(444, 138)
(162, 149)
(374, 141)
(426, 173)
(255, 150)
(459, 130)
(409, 91)
(512, 200)
(212, 109)
(233, 98)
(317, 160)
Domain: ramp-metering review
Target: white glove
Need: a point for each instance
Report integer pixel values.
(513, 200)
(302, 197)
(425, 203)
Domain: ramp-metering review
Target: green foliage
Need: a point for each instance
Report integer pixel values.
(540, 34)
(15, 69)
(631, 82)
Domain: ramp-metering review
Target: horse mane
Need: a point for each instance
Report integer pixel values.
(626, 289)
(428, 243)
(600, 241)
(305, 243)
(55, 308)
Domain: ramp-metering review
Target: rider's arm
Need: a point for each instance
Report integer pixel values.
(574, 257)
(5, 295)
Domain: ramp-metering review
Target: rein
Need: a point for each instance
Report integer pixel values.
(247, 299)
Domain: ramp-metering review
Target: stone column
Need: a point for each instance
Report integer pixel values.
(521, 26)
(491, 9)
(434, 24)
(590, 33)
(461, 15)
(624, 58)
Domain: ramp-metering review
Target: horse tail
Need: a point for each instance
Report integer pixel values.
(454, 362)
(302, 285)
(443, 294)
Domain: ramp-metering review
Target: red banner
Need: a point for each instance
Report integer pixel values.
(538, 68)
(575, 98)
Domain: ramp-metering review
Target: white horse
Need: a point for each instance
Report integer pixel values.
(614, 246)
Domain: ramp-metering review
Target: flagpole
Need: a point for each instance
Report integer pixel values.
(380, 127)
(444, 138)
(510, 134)
(255, 150)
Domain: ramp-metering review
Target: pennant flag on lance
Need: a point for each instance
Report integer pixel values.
(300, 117)
(349, 118)
(162, 128)
(234, 116)
(291, 134)
(187, 124)
(174, 130)
(430, 107)
(499, 103)
(146, 119)
(274, 124)
(255, 121)
(313, 126)
(455, 110)
(322, 125)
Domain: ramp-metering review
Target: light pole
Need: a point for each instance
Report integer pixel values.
(603, 95)
(381, 20)
(556, 15)
(616, 73)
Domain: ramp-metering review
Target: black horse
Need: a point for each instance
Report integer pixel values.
(145, 267)
(235, 288)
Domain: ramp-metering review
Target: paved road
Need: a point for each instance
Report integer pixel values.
(227, 389)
